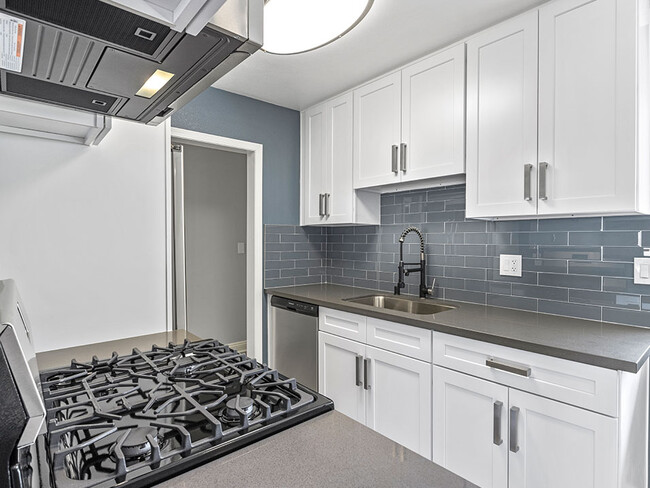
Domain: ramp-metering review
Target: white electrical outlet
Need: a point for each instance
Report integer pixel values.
(510, 265)
(642, 271)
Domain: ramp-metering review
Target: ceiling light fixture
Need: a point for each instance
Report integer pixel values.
(298, 26)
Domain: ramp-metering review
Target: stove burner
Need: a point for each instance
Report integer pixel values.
(136, 444)
(245, 403)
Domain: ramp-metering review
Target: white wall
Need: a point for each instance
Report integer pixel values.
(215, 221)
(82, 231)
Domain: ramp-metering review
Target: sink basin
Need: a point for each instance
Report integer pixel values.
(401, 304)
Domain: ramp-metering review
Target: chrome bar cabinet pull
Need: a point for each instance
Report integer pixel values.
(496, 434)
(509, 366)
(359, 361)
(528, 169)
(514, 417)
(402, 157)
(395, 150)
(543, 170)
(321, 204)
(366, 369)
(327, 204)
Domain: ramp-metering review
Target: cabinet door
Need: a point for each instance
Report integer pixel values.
(433, 116)
(559, 445)
(338, 170)
(313, 163)
(587, 110)
(377, 128)
(470, 427)
(399, 399)
(502, 119)
(340, 370)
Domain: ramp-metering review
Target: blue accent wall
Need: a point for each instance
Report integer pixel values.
(277, 128)
(225, 114)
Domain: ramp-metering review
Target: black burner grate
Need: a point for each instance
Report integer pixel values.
(120, 419)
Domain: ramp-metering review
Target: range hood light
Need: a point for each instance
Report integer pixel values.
(298, 26)
(155, 82)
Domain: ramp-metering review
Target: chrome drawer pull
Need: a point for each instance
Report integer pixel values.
(543, 169)
(509, 366)
(359, 361)
(366, 369)
(514, 417)
(496, 435)
(528, 168)
(394, 155)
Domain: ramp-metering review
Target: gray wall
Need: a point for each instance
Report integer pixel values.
(215, 221)
(277, 128)
(225, 114)
(572, 267)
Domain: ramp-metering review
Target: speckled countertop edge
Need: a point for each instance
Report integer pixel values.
(611, 346)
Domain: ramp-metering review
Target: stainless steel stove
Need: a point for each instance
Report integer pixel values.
(136, 419)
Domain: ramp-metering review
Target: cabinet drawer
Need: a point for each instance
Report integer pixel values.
(344, 324)
(583, 385)
(402, 339)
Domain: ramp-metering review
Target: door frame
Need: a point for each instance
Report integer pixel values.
(254, 225)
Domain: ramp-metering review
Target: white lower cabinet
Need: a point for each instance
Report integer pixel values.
(470, 427)
(498, 436)
(388, 392)
(559, 445)
(340, 376)
(398, 403)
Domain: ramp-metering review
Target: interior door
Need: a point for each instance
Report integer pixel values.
(502, 119)
(377, 132)
(339, 160)
(587, 106)
(399, 399)
(554, 444)
(314, 127)
(433, 116)
(340, 374)
(470, 427)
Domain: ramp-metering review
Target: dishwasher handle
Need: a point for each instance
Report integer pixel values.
(294, 306)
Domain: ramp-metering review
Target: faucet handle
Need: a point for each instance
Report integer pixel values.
(433, 285)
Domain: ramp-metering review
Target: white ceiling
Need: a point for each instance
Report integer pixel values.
(393, 33)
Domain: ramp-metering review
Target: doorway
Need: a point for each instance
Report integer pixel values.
(214, 201)
(214, 198)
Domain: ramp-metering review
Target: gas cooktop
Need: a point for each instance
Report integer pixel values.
(136, 419)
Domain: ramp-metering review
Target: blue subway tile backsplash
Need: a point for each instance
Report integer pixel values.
(575, 267)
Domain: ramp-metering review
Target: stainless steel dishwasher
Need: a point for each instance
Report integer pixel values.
(293, 340)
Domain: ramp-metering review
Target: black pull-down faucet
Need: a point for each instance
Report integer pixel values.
(402, 271)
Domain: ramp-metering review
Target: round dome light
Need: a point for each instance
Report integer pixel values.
(298, 26)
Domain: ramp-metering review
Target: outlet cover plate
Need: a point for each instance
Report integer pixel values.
(642, 271)
(510, 265)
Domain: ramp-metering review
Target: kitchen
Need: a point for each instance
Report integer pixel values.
(64, 205)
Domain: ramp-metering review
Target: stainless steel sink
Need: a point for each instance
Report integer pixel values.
(399, 304)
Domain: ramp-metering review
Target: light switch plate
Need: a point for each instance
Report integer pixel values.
(642, 271)
(241, 248)
(510, 265)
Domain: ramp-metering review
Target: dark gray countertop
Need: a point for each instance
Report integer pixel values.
(62, 357)
(328, 451)
(610, 346)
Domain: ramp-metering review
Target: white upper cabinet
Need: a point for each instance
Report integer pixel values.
(502, 119)
(377, 132)
(433, 116)
(587, 106)
(572, 137)
(410, 125)
(328, 196)
(313, 175)
(338, 176)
